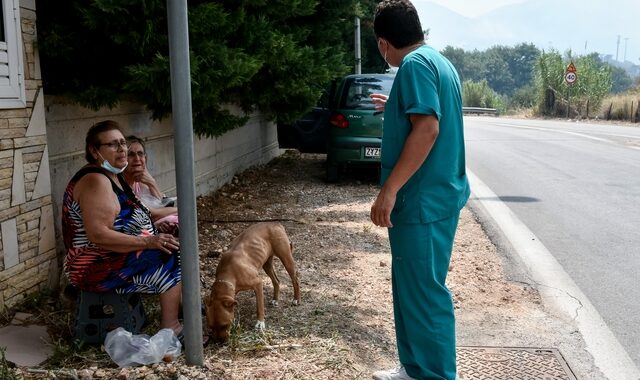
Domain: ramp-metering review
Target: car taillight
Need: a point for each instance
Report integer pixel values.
(338, 120)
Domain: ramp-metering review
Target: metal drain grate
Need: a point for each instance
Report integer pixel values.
(512, 363)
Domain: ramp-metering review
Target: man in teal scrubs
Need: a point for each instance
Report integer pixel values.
(424, 187)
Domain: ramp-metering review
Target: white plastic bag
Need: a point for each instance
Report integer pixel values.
(126, 349)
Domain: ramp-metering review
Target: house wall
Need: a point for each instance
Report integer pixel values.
(27, 239)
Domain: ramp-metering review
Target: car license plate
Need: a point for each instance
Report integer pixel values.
(371, 152)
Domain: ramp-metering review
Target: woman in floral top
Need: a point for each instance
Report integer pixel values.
(111, 242)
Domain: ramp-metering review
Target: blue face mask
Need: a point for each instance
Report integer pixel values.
(110, 168)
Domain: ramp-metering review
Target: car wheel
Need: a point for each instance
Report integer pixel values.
(333, 172)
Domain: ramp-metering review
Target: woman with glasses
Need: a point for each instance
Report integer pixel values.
(111, 241)
(144, 186)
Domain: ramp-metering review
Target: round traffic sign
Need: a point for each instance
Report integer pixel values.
(570, 77)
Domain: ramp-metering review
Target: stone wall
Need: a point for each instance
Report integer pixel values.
(27, 239)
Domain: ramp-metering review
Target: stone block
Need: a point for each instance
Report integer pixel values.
(10, 243)
(19, 122)
(14, 113)
(8, 172)
(31, 85)
(7, 212)
(6, 163)
(28, 26)
(5, 184)
(27, 216)
(30, 177)
(43, 180)
(47, 240)
(12, 133)
(30, 141)
(6, 144)
(11, 302)
(35, 203)
(6, 155)
(26, 280)
(21, 228)
(5, 194)
(32, 228)
(29, 158)
(39, 259)
(34, 149)
(29, 252)
(32, 167)
(18, 195)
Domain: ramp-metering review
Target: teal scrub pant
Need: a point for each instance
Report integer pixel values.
(422, 304)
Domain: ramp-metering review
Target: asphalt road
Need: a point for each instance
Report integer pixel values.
(577, 188)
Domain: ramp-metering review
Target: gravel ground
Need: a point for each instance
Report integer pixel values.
(343, 329)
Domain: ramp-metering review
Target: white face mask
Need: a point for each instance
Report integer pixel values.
(385, 56)
(106, 165)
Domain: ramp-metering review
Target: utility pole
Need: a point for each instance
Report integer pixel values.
(626, 39)
(357, 47)
(617, 47)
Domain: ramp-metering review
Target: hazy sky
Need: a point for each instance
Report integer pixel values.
(471, 8)
(610, 27)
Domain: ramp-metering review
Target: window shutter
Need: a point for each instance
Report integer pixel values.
(12, 94)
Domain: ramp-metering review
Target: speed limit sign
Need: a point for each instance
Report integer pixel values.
(570, 77)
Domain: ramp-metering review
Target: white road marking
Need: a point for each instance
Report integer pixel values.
(557, 288)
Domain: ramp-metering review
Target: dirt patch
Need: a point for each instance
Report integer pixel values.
(343, 328)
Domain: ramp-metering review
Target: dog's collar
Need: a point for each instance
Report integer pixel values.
(226, 282)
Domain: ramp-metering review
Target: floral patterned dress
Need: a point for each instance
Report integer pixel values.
(94, 269)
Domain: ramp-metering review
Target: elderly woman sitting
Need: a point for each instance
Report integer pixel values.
(144, 186)
(111, 242)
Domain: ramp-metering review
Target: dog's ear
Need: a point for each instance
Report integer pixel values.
(229, 302)
(209, 300)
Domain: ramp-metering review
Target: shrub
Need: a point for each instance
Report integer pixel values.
(479, 94)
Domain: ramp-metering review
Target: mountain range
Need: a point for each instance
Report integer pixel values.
(610, 28)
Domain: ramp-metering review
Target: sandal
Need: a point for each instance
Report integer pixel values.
(205, 339)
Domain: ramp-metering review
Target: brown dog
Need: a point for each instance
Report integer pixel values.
(239, 268)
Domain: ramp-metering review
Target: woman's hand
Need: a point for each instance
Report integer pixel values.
(167, 227)
(379, 101)
(164, 242)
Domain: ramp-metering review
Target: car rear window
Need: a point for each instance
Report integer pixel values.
(355, 94)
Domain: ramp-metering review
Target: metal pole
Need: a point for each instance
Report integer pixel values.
(568, 99)
(357, 47)
(183, 146)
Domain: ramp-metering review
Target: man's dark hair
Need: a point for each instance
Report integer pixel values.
(397, 21)
(92, 139)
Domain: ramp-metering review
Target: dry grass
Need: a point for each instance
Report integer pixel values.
(343, 328)
(625, 107)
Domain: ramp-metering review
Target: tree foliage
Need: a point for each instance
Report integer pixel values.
(274, 56)
(506, 69)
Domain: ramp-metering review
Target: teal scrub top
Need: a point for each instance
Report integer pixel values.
(426, 83)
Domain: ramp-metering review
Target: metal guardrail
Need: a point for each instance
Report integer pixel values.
(480, 111)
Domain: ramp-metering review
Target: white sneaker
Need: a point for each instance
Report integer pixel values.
(398, 373)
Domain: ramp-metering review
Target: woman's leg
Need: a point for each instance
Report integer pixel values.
(169, 308)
